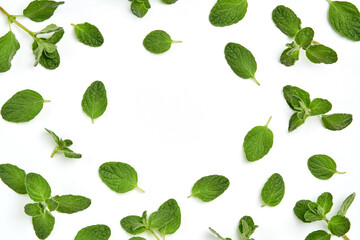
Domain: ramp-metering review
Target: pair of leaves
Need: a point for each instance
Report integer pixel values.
(88, 34)
(246, 228)
(288, 23)
(8, 48)
(39, 11)
(241, 61)
(119, 177)
(94, 232)
(228, 12)
(63, 146)
(23, 106)
(273, 191)
(210, 187)
(140, 7)
(258, 142)
(322, 166)
(158, 41)
(94, 101)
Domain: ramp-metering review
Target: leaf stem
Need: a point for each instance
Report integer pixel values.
(190, 196)
(264, 205)
(152, 233)
(54, 152)
(267, 124)
(11, 17)
(140, 189)
(46, 101)
(340, 172)
(256, 81)
(177, 41)
(346, 238)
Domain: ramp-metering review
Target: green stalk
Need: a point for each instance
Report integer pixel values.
(152, 233)
(346, 238)
(17, 23)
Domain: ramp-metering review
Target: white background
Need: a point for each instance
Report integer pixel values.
(179, 116)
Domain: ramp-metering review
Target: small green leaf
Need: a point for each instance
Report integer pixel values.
(172, 226)
(337, 121)
(228, 12)
(344, 18)
(94, 232)
(33, 209)
(137, 238)
(305, 37)
(43, 225)
(273, 190)
(318, 235)
(54, 136)
(325, 200)
(39, 11)
(346, 204)
(23, 106)
(286, 20)
(295, 122)
(13, 177)
(94, 101)
(339, 225)
(319, 106)
(210, 187)
(62, 146)
(37, 187)
(140, 8)
(128, 222)
(289, 56)
(49, 29)
(315, 213)
(241, 61)
(218, 235)
(119, 177)
(159, 219)
(258, 142)
(301, 207)
(8, 48)
(72, 203)
(246, 227)
(296, 98)
(158, 41)
(169, 1)
(70, 153)
(88, 34)
(322, 166)
(51, 204)
(321, 54)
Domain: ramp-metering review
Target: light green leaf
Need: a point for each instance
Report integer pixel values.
(13, 177)
(322, 166)
(159, 219)
(296, 98)
(39, 11)
(319, 106)
(273, 190)
(295, 122)
(43, 225)
(289, 56)
(33, 209)
(172, 226)
(318, 235)
(339, 225)
(337, 121)
(158, 41)
(95, 232)
(246, 227)
(346, 204)
(228, 12)
(49, 29)
(325, 200)
(321, 54)
(88, 34)
(127, 223)
(72, 203)
(305, 37)
(94, 101)
(51, 204)
(315, 212)
(37, 187)
(8, 48)
(137, 238)
(286, 20)
(218, 235)
(210, 187)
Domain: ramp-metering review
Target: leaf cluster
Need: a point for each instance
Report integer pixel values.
(141, 7)
(246, 228)
(63, 146)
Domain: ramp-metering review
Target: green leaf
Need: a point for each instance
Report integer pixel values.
(172, 226)
(54, 136)
(346, 204)
(295, 122)
(23, 106)
(339, 225)
(94, 101)
(56, 37)
(94, 232)
(273, 190)
(286, 20)
(289, 56)
(43, 224)
(337, 121)
(321, 54)
(210, 187)
(70, 153)
(37, 187)
(119, 177)
(246, 227)
(128, 222)
(315, 213)
(48, 60)
(218, 235)
(241, 61)
(159, 219)
(33, 209)
(158, 41)
(228, 12)
(8, 48)
(72, 203)
(322, 166)
(318, 235)
(296, 98)
(88, 34)
(258, 142)
(325, 200)
(305, 37)
(301, 207)
(13, 177)
(39, 11)
(62, 146)
(140, 8)
(319, 106)
(51, 204)
(137, 238)
(169, 1)
(49, 29)
(344, 18)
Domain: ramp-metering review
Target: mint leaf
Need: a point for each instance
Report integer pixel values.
(37, 187)
(325, 200)
(71, 203)
(210, 187)
(246, 227)
(296, 98)
(169, 1)
(218, 235)
(315, 213)
(8, 48)
(241, 61)
(344, 18)
(322, 166)
(140, 7)
(88, 34)
(273, 190)
(23, 106)
(33, 209)
(337, 121)
(319, 106)
(295, 122)
(159, 219)
(289, 56)
(301, 207)
(158, 41)
(13, 177)
(286, 20)
(258, 142)
(321, 54)
(51, 204)
(49, 29)
(43, 224)
(346, 204)
(62, 146)
(137, 238)
(94, 232)
(127, 223)
(228, 12)
(173, 225)
(318, 235)
(339, 225)
(94, 101)
(305, 37)
(119, 177)
(39, 11)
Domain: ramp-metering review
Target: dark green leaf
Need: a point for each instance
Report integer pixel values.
(158, 41)
(140, 8)
(295, 122)
(95, 232)
(346, 204)
(88, 34)
(296, 98)
(94, 101)
(339, 225)
(325, 200)
(337, 121)
(33, 209)
(72, 203)
(319, 106)
(70, 153)
(8, 48)
(246, 226)
(39, 11)
(321, 54)
(172, 207)
(43, 224)
(128, 222)
(159, 219)
(305, 37)
(13, 177)
(286, 20)
(37, 187)
(56, 37)
(301, 207)
(210, 187)
(273, 190)
(322, 166)
(289, 57)
(169, 1)
(318, 235)
(228, 12)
